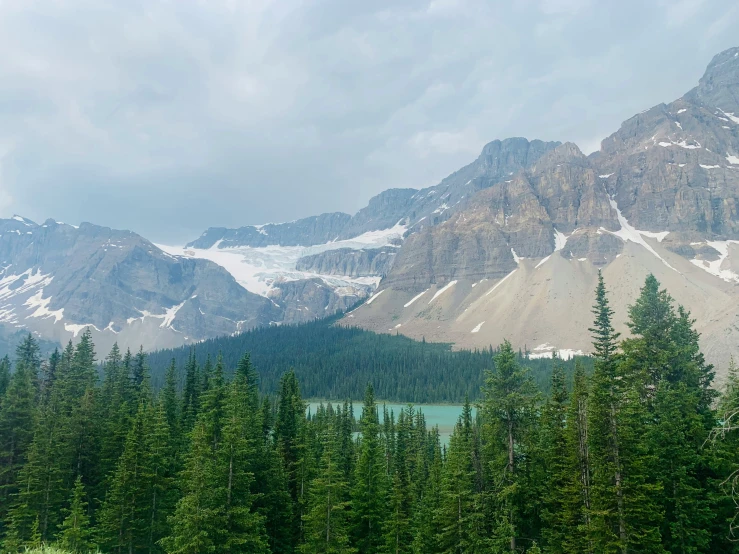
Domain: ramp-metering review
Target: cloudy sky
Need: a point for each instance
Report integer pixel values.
(170, 116)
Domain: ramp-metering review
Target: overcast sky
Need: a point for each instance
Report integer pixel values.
(167, 117)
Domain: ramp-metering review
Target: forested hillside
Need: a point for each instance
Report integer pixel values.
(642, 456)
(337, 362)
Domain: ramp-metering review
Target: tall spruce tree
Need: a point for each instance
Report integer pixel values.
(326, 518)
(509, 406)
(606, 400)
(556, 461)
(370, 484)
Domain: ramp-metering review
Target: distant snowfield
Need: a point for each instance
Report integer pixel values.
(714, 267)
(258, 270)
(547, 351)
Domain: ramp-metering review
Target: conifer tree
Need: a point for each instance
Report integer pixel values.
(242, 529)
(75, 535)
(577, 501)
(459, 513)
(555, 457)
(370, 485)
(17, 412)
(509, 400)
(427, 523)
(608, 518)
(4, 375)
(123, 522)
(398, 522)
(190, 394)
(326, 525)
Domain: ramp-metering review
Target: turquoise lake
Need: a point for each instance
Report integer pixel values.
(443, 415)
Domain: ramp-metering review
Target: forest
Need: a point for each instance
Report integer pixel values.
(638, 456)
(336, 362)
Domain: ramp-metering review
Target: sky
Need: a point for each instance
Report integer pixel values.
(166, 117)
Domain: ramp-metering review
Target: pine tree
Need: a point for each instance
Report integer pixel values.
(192, 531)
(459, 511)
(243, 529)
(398, 523)
(290, 435)
(4, 375)
(608, 518)
(190, 394)
(555, 453)
(326, 525)
(370, 485)
(509, 400)
(427, 515)
(159, 473)
(577, 501)
(170, 402)
(17, 412)
(123, 522)
(42, 481)
(76, 535)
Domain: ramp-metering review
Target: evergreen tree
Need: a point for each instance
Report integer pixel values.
(398, 523)
(608, 518)
(326, 525)
(509, 401)
(459, 513)
(123, 521)
(556, 461)
(17, 412)
(75, 535)
(577, 500)
(4, 375)
(370, 485)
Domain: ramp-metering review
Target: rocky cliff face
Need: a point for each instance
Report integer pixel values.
(348, 262)
(506, 247)
(58, 279)
(660, 196)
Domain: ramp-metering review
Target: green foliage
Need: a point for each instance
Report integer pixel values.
(637, 457)
(75, 534)
(336, 362)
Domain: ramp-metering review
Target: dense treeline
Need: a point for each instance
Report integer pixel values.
(333, 361)
(637, 458)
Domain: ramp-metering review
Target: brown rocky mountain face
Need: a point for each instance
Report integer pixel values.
(661, 196)
(508, 246)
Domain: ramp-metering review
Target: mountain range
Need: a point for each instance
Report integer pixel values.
(508, 246)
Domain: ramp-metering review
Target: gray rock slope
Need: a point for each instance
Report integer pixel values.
(500, 248)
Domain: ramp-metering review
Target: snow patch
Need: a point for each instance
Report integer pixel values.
(170, 314)
(442, 290)
(682, 110)
(77, 329)
(412, 300)
(41, 306)
(477, 328)
(547, 351)
(709, 166)
(606, 176)
(542, 261)
(731, 116)
(501, 282)
(714, 267)
(734, 160)
(260, 269)
(374, 296)
(515, 256)
(681, 144)
(628, 233)
(560, 239)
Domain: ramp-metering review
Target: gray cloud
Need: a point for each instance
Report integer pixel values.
(168, 117)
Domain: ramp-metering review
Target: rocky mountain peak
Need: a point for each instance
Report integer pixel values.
(719, 86)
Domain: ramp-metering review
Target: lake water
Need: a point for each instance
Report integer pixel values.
(443, 415)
